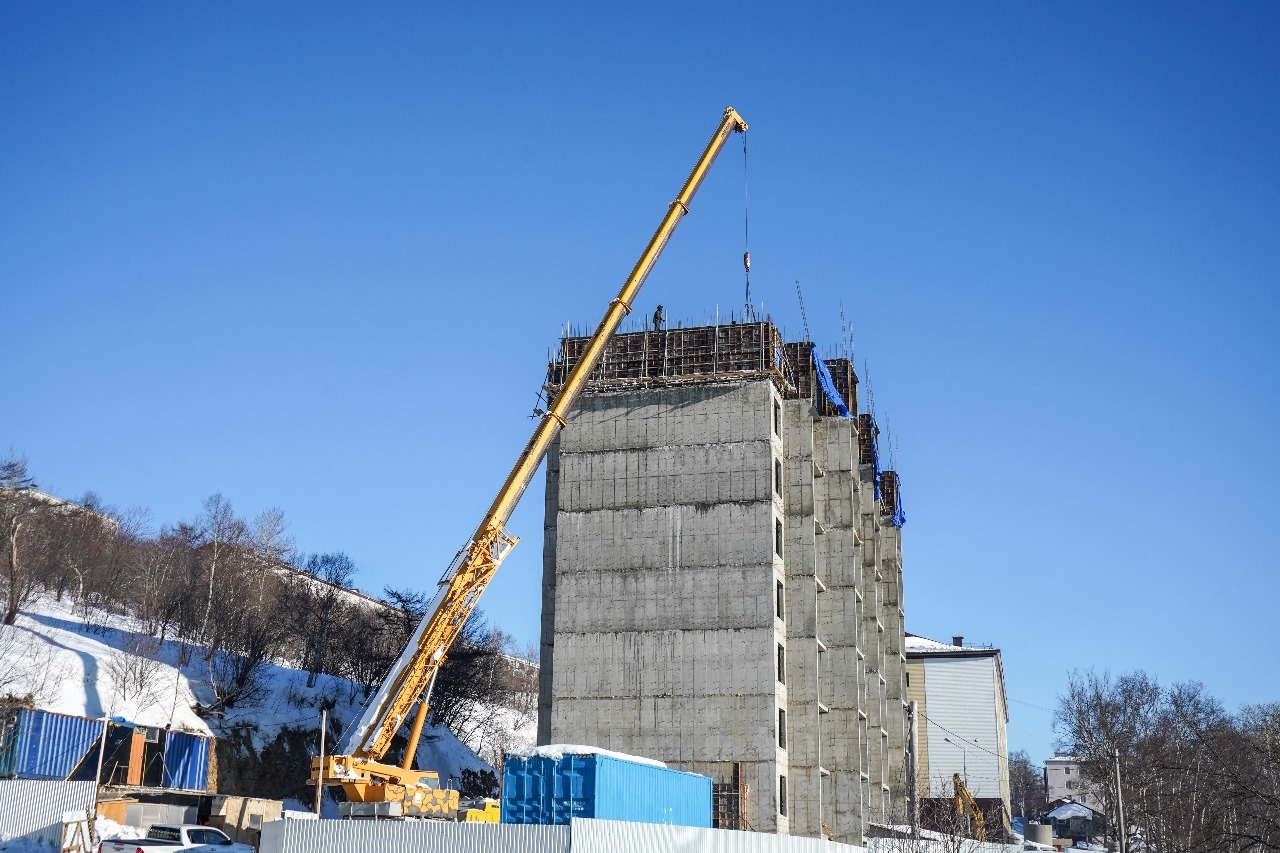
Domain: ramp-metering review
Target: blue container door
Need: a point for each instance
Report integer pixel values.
(186, 761)
(548, 790)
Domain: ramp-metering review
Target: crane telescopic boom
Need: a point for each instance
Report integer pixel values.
(358, 765)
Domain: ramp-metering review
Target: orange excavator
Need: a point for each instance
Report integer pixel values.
(358, 767)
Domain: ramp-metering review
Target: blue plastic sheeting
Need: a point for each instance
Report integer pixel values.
(829, 386)
(186, 761)
(875, 451)
(899, 514)
(547, 790)
(44, 745)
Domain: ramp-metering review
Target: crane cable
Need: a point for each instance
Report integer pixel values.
(748, 314)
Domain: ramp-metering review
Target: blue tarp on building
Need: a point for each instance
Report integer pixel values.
(899, 514)
(829, 386)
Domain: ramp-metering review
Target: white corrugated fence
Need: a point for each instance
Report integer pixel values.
(392, 836)
(615, 836)
(582, 836)
(33, 809)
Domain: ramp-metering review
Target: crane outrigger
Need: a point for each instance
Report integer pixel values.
(358, 766)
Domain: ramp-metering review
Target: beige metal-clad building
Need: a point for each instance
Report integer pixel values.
(722, 581)
(964, 713)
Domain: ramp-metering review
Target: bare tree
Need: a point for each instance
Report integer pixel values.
(1026, 784)
(945, 828)
(220, 533)
(134, 670)
(320, 595)
(18, 503)
(1195, 777)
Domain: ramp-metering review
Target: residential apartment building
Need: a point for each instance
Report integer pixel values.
(1063, 780)
(963, 715)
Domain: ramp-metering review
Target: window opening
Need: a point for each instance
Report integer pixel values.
(782, 729)
(782, 664)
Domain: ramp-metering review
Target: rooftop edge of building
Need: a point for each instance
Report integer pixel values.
(706, 355)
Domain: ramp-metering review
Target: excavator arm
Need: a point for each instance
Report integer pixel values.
(966, 804)
(357, 766)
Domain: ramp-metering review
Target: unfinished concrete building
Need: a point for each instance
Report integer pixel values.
(722, 577)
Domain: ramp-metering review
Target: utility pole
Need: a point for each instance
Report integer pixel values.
(913, 772)
(1120, 835)
(324, 725)
(97, 777)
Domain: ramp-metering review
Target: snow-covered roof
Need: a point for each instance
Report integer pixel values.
(556, 751)
(1070, 810)
(923, 645)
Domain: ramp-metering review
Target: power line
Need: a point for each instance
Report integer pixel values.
(974, 744)
(1033, 705)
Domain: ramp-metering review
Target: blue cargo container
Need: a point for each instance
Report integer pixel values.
(186, 761)
(553, 790)
(45, 745)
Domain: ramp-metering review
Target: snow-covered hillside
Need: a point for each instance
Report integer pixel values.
(92, 665)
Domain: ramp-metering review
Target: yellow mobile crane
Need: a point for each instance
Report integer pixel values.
(358, 766)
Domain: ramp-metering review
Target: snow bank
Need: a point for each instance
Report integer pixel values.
(106, 828)
(557, 751)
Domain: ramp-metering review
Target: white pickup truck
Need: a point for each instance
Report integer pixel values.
(168, 837)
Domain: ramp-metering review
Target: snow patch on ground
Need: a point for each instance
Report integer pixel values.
(106, 828)
(71, 660)
(557, 751)
(74, 667)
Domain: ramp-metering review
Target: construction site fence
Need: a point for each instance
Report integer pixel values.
(32, 809)
(583, 835)
(386, 836)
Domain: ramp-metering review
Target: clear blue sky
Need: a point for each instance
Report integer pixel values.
(313, 254)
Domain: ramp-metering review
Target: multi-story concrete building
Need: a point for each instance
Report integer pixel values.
(1064, 780)
(962, 718)
(722, 584)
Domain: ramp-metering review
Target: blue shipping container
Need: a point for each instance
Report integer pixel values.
(553, 790)
(45, 745)
(186, 761)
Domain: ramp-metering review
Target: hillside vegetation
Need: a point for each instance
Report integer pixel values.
(219, 624)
